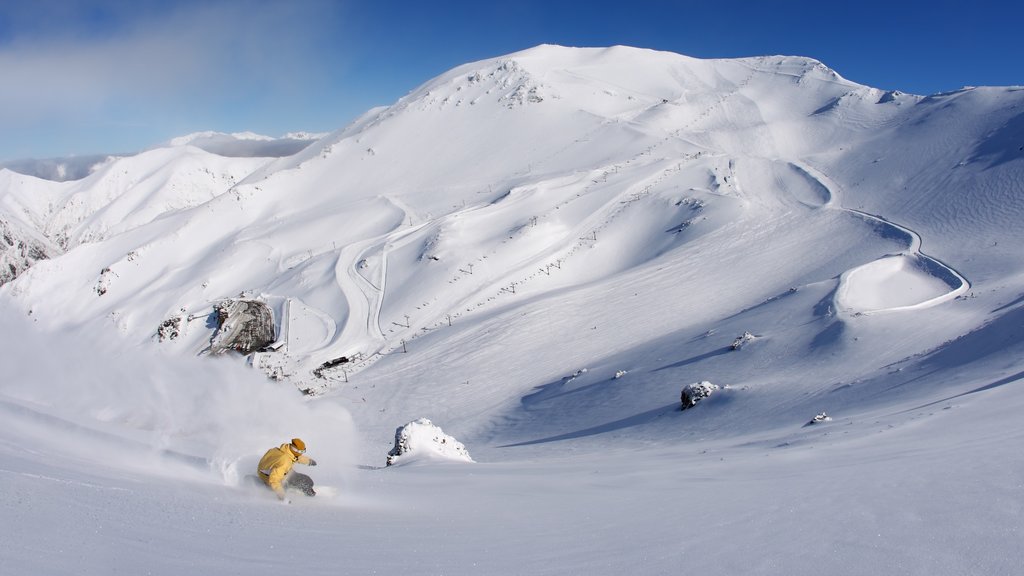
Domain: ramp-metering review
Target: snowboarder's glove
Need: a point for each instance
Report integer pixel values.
(312, 462)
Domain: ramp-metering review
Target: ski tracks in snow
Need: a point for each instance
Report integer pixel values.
(853, 281)
(367, 288)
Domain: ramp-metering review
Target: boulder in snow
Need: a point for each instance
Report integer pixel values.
(823, 417)
(245, 326)
(694, 393)
(742, 340)
(171, 328)
(423, 438)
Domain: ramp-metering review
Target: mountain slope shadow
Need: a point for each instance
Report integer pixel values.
(998, 335)
(696, 359)
(628, 422)
(828, 336)
(1002, 146)
(1018, 377)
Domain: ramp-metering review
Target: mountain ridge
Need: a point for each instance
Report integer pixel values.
(541, 271)
(545, 150)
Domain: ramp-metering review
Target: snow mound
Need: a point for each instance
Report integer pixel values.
(891, 283)
(422, 438)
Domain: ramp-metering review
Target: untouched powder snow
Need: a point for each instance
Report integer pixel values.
(536, 253)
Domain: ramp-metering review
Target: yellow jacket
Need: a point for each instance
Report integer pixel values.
(276, 464)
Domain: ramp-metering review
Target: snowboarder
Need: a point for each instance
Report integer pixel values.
(275, 468)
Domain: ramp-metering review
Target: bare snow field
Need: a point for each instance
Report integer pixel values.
(536, 253)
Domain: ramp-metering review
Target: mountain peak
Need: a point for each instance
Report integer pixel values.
(479, 179)
(610, 81)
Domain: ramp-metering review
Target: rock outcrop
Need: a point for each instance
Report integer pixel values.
(245, 326)
(20, 249)
(694, 393)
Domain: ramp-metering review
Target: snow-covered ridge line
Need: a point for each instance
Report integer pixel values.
(408, 236)
(548, 261)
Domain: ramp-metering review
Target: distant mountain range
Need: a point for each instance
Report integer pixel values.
(244, 145)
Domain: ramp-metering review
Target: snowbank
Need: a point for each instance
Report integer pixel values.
(421, 439)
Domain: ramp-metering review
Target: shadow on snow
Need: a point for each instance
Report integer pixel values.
(621, 424)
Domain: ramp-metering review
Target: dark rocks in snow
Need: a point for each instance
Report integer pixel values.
(819, 418)
(742, 340)
(103, 283)
(694, 393)
(245, 326)
(423, 438)
(170, 329)
(20, 249)
(575, 375)
(890, 96)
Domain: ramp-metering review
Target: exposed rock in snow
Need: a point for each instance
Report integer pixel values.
(20, 249)
(742, 340)
(822, 417)
(171, 328)
(423, 438)
(245, 326)
(890, 96)
(694, 393)
(103, 282)
(575, 375)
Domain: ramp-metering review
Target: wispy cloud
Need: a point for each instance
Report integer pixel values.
(137, 63)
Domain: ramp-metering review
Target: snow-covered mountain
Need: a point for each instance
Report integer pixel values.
(241, 144)
(58, 169)
(538, 251)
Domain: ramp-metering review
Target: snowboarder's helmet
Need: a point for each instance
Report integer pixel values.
(298, 446)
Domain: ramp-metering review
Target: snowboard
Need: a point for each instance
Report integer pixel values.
(296, 482)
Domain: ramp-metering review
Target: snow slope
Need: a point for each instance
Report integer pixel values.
(537, 252)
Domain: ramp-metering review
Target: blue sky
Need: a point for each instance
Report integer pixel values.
(107, 76)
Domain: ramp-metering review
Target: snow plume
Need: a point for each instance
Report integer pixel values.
(208, 419)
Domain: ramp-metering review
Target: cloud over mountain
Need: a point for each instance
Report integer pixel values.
(153, 64)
